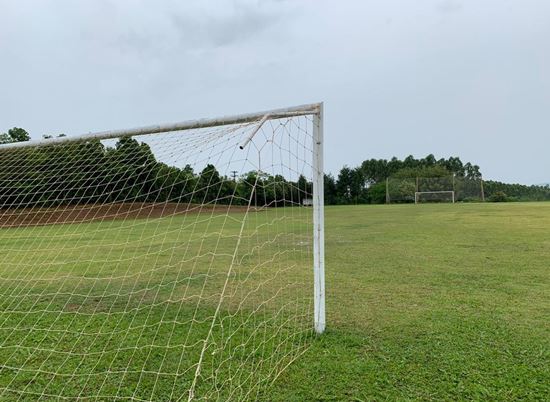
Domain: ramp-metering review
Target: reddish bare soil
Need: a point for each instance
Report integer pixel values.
(22, 217)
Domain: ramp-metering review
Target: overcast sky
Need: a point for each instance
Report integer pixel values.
(468, 78)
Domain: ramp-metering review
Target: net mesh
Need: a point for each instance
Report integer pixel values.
(171, 266)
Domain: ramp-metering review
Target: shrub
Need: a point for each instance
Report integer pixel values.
(499, 196)
(376, 194)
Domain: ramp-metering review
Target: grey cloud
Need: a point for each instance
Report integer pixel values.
(242, 23)
(448, 6)
(195, 25)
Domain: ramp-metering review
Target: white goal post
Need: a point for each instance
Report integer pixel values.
(176, 261)
(419, 194)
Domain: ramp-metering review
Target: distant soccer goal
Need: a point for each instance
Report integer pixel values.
(172, 262)
(434, 196)
(434, 189)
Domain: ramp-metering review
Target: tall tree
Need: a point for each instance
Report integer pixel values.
(472, 171)
(330, 190)
(208, 186)
(343, 185)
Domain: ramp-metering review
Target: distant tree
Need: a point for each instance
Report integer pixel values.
(410, 162)
(208, 185)
(305, 188)
(375, 170)
(472, 171)
(185, 184)
(18, 134)
(453, 164)
(15, 134)
(343, 185)
(48, 136)
(499, 196)
(516, 192)
(331, 195)
(392, 166)
(132, 169)
(376, 194)
(5, 138)
(428, 161)
(358, 186)
(423, 171)
(246, 187)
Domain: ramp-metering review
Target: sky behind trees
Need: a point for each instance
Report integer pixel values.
(448, 77)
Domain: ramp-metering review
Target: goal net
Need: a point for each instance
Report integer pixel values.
(168, 262)
(434, 196)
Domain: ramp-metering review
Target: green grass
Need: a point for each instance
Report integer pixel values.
(432, 302)
(427, 302)
(121, 309)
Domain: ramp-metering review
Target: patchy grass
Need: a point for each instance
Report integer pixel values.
(432, 302)
(121, 310)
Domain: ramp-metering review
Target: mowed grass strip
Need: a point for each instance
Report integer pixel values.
(431, 302)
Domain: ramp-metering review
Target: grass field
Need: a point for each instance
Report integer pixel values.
(120, 309)
(432, 302)
(427, 302)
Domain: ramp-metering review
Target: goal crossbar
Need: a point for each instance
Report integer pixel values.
(294, 111)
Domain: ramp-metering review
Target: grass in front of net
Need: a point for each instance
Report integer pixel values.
(440, 302)
(432, 302)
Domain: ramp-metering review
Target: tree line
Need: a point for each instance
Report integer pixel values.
(502, 192)
(90, 172)
(366, 183)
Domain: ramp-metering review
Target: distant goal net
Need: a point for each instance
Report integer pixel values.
(164, 263)
(434, 196)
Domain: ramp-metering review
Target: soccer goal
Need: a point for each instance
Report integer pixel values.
(434, 196)
(450, 188)
(171, 262)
